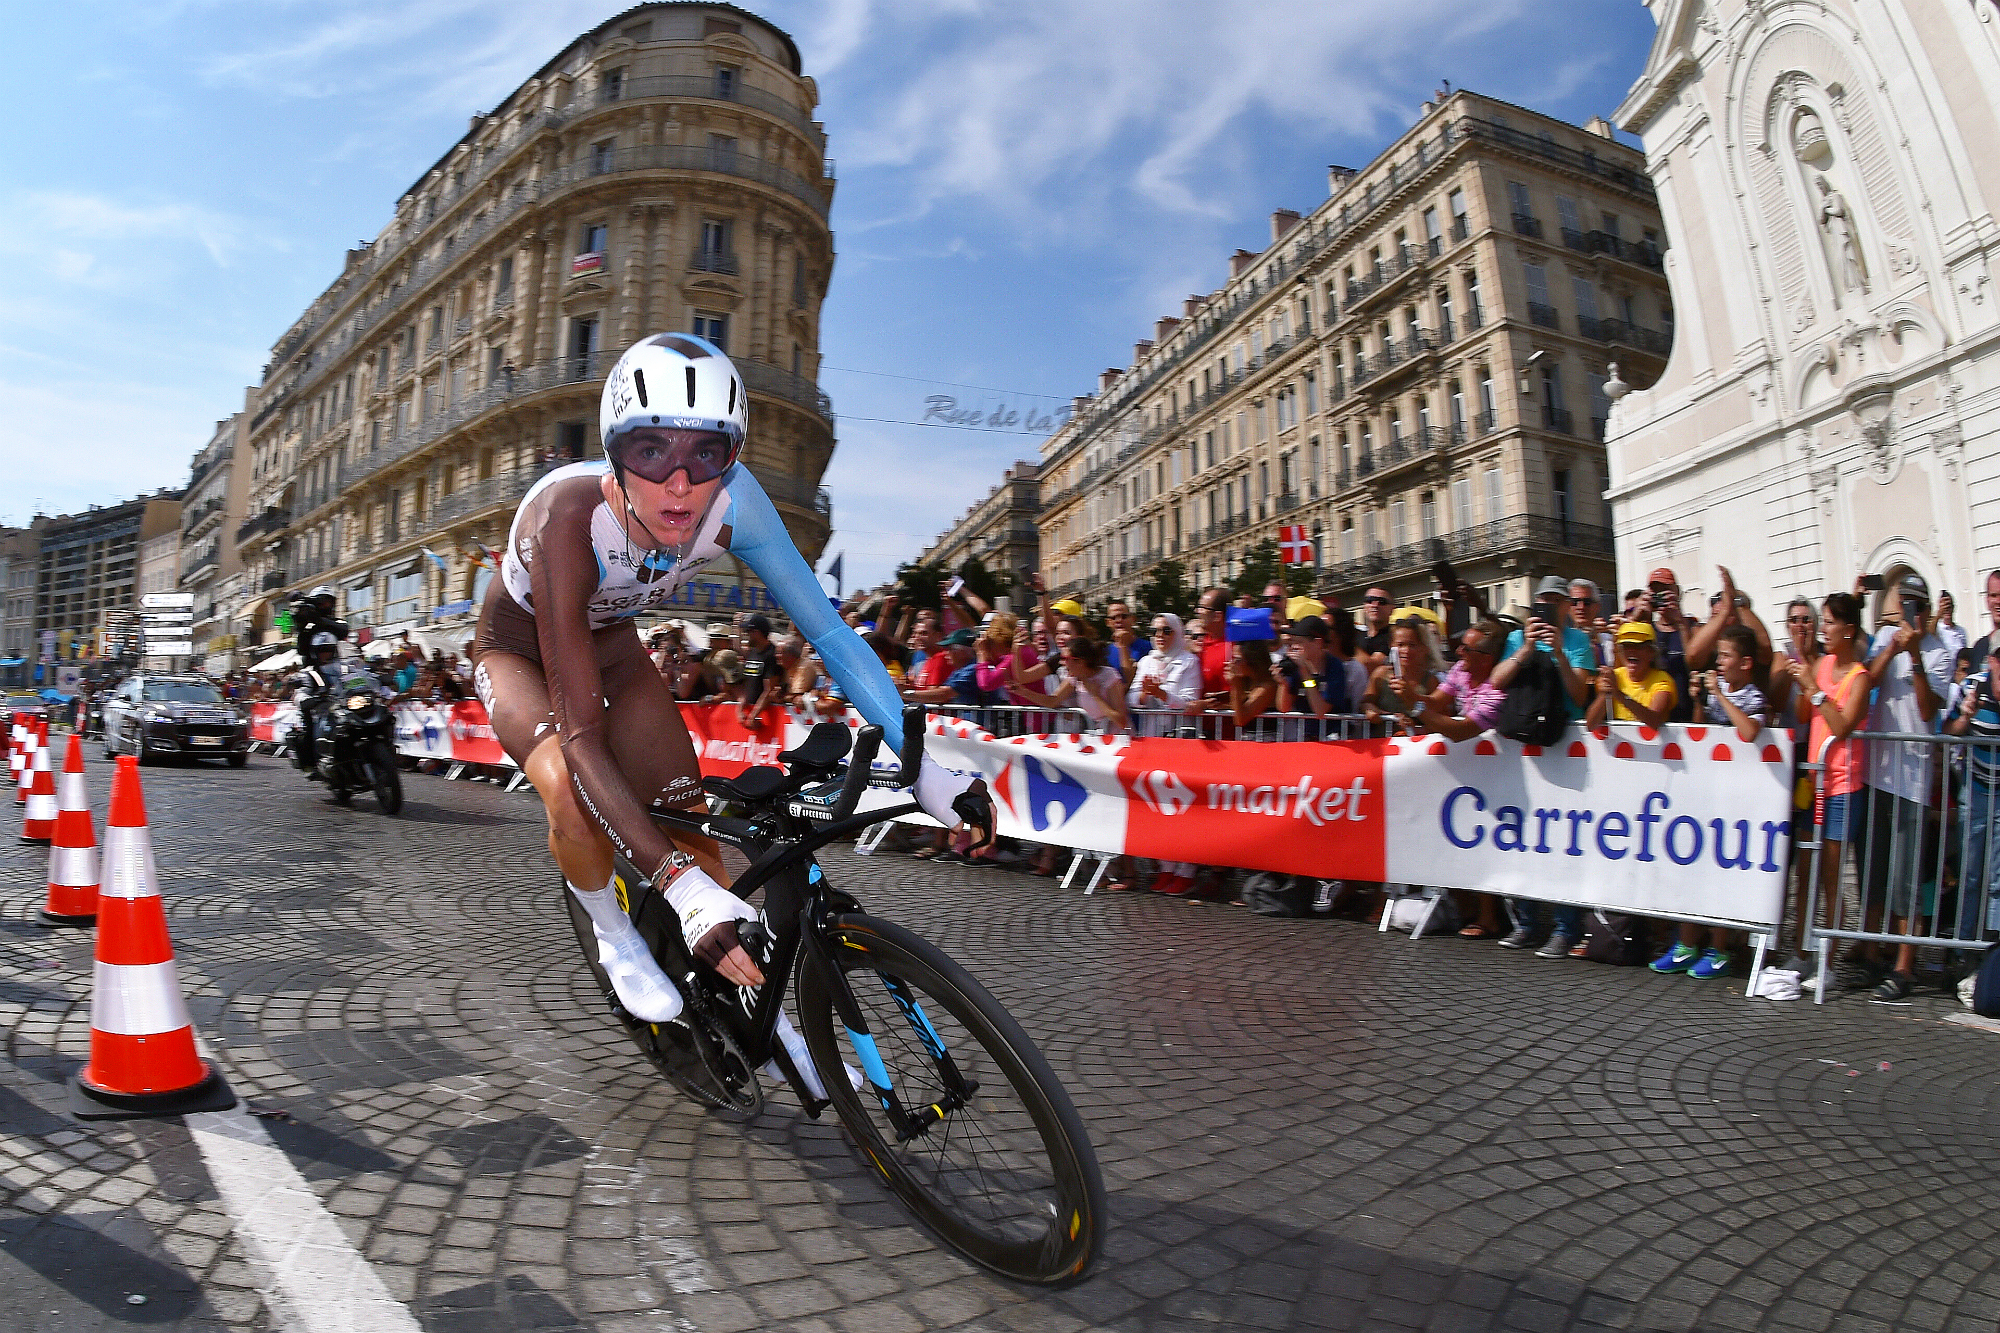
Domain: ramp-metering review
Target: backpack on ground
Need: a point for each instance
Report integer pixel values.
(1618, 938)
(1986, 985)
(1268, 893)
(1536, 708)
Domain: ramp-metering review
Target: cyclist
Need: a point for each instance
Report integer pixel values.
(573, 697)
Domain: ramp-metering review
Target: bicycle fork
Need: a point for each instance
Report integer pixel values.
(908, 1124)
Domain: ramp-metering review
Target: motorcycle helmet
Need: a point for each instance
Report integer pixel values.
(324, 640)
(323, 590)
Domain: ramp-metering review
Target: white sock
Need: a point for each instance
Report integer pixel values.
(795, 1046)
(642, 987)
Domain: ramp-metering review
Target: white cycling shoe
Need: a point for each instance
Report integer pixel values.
(641, 986)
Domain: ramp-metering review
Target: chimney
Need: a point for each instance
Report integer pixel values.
(1239, 261)
(1192, 306)
(1163, 328)
(1139, 350)
(1079, 405)
(1108, 377)
(1600, 127)
(1337, 179)
(1282, 221)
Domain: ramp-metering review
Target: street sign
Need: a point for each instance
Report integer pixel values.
(170, 648)
(162, 601)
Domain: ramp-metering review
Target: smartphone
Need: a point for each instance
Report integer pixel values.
(1539, 613)
(1872, 583)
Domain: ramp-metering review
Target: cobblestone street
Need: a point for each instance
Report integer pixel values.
(1303, 1124)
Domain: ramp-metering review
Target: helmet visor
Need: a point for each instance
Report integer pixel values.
(656, 454)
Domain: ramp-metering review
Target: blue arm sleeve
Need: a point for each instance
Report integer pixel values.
(758, 537)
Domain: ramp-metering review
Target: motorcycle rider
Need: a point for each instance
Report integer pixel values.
(318, 683)
(313, 619)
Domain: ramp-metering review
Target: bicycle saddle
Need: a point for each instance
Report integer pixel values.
(748, 787)
(824, 746)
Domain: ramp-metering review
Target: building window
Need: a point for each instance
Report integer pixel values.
(614, 85)
(1585, 292)
(600, 156)
(592, 239)
(726, 79)
(583, 346)
(571, 438)
(798, 282)
(1312, 394)
(714, 327)
(1571, 220)
(1427, 516)
(1461, 504)
(1541, 310)
(1433, 232)
(1460, 226)
(1494, 496)
(503, 278)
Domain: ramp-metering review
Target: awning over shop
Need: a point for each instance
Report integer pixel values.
(284, 661)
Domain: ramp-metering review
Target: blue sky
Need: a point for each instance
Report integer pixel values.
(1023, 189)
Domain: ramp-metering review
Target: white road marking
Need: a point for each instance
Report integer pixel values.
(309, 1274)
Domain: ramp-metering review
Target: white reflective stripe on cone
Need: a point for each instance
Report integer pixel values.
(70, 792)
(42, 806)
(128, 863)
(73, 867)
(138, 999)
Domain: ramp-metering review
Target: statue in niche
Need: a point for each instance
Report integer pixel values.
(1850, 273)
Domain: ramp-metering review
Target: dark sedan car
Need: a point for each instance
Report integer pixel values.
(185, 716)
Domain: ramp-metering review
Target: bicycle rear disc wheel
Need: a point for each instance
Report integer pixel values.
(1009, 1178)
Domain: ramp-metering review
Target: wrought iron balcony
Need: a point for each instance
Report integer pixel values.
(1518, 533)
(1527, 224)
(1544, 315)
(715, 261)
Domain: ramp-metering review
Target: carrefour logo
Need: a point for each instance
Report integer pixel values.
(1163, 792)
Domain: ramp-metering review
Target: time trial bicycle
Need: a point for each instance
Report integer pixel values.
(955, 1107)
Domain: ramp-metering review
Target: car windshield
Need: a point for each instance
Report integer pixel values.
(181, 692)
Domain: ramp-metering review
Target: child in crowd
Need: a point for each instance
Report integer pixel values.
(1734, 700)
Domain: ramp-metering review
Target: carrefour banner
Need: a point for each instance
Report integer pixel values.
(1687, 821)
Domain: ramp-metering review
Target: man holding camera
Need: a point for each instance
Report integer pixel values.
(1910, 669)
(1674, 628)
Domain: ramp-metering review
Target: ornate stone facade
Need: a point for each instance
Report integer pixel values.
(1832, 405)
(664, 171)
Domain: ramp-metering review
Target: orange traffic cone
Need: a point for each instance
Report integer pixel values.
(73, 858)
(38, 822)
(15, 729)
(142, 1056)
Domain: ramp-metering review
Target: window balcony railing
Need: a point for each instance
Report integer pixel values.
(271, 520)
(1527, 224)
(1543, 315)
(1559, 419)
(715, 261)
(1627, 334)
(1460, 228)
(1485, 423)
(1511, 536)
(274, 579)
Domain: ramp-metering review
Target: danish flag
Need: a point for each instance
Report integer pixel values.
(1294, 547)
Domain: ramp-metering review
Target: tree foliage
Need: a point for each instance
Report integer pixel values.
(1167, 589)
(1263, 567)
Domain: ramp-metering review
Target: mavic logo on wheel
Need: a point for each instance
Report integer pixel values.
(1163, 792)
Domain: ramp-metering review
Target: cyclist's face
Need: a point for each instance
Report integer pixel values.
(670, 509)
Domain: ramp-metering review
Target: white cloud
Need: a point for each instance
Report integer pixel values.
(1058, 109)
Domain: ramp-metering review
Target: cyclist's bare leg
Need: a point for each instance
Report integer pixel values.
(650, 741)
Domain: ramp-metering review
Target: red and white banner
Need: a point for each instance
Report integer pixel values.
(1294, 547)
(1683, 821)
(1686, 821)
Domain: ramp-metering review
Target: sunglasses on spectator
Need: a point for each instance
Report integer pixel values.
(1583, 601)
(1378, 601)
(1798, 620)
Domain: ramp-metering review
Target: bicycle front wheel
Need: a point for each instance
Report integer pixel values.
(985, 1147)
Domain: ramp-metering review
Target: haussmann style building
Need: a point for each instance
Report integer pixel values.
(1413, 371)
(663, 171)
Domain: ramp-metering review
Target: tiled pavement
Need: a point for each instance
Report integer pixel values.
(1303, 1124)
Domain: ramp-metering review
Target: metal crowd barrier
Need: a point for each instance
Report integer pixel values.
(1920, 872)
(1005, 720)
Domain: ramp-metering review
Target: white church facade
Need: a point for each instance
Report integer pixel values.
(1828, 173)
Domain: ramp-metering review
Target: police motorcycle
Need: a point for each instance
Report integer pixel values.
(353, 732)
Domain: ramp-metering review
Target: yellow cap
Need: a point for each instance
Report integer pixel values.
(1635, 631)
(1301, 607)
(1069, 607)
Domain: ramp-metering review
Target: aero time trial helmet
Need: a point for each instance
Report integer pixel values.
(690, 399)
